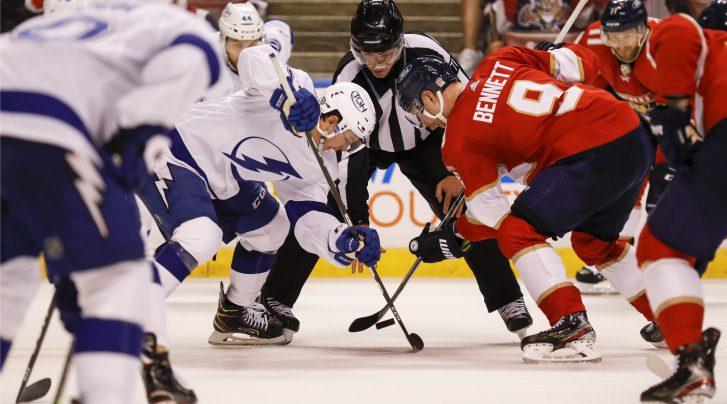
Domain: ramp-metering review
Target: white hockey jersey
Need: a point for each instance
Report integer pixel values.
(241, 138)
(73, 78)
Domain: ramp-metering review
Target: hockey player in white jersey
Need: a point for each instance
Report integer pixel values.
(86, 100)
(210, 189)
(241, 27)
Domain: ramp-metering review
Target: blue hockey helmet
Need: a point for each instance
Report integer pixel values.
(714, 16)
(424, 73)
(622, 15)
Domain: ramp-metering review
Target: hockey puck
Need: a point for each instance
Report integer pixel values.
(385, 323)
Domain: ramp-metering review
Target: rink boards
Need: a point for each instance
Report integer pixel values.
(398, 212)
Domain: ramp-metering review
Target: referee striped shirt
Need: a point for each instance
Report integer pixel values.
(394, 130)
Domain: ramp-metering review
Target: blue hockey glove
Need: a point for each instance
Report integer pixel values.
(676, 135)
(439, 245)
(348, 242)
(304, 111)
(548, 46)
(134, 152)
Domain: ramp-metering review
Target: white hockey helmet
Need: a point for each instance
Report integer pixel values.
(353, 104)
(51, 6)
(240, 21)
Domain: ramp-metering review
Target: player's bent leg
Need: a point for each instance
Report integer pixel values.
(498, 285)
(616, 260)
(108, 332)
(240, 320)
(286, 280)
(571, 337)
(193, 243)
(19, 280)
(179, 202)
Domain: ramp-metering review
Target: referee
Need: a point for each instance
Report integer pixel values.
(379, 50)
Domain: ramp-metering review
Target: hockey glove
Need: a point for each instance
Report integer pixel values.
(549, 46)
(439, 245)
(134, 153)
(675, 133)
(349, 241)
(303, 113)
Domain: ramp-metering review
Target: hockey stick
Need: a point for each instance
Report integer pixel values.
(571, 20)
(414, 340)
(363, 323)
(40, 388)
(64, 374)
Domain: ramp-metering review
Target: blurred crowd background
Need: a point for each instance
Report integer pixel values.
(469, 29)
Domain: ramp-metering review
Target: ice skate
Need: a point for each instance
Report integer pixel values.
(651, 333)
(570, 340)
(291, 325)
(239, 325)
(591, 282)
(516, 317)
(159, 381)
(693, 379)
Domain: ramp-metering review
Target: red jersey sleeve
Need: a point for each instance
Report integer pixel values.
(678, 47)
(570, 64)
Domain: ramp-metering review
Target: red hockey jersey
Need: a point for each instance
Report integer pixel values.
(692, 61)
(517, 116)
(638, 86)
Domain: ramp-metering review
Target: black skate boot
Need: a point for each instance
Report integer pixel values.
(239, 325)
(651, 333)
(291, 325)
(569, 340)
(693, 379)
(516, 317)
(159, 381)
(591, 282)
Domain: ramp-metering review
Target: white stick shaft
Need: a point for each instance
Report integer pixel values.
(571, 20)
(281, 77)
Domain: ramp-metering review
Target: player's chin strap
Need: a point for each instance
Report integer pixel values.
(440, 114)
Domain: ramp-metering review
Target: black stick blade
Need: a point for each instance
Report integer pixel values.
(364, 323)
(415, 341)
(34, 391)
(385, 323)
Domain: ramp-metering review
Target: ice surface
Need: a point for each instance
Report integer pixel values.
(469, 357)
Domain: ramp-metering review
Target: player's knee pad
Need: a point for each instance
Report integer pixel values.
(515, 235)
(594, 251)
(20, 279)
(200, 237)
(270, 237)
(113, 304)
(650, 249)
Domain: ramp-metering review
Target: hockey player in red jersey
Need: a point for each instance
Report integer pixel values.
(583, 155)
(690, 221)
(622, 42)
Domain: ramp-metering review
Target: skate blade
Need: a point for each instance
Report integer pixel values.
(595, 289)
(581, 351)
(238, 339)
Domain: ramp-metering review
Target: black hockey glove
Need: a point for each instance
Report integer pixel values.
(677, 136)
(439, 245)
(549, 46)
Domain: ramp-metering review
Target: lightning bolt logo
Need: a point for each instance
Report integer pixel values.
(162, 186)
(269, 164)
(89, 185)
